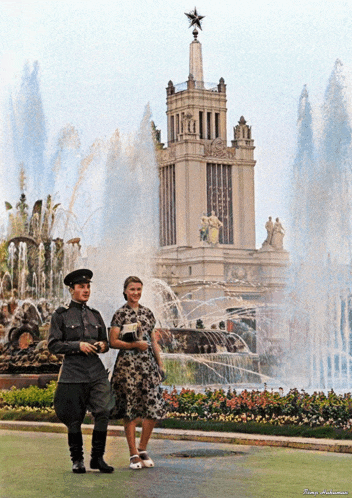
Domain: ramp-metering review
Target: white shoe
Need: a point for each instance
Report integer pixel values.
(146, 460)
(137, 465)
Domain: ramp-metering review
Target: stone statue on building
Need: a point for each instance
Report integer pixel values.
(269, 227)
(209, 228)
(278, 235)
(204, 228)
(275, 235)
(214, 227)
(188, 124)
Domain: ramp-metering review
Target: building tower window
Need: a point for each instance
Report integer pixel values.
(172, 129)
(219, 198)
(209, 125)
(217, 123)
(201, 125)
(167, 206)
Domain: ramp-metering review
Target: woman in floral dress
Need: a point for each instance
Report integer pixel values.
(137, 374)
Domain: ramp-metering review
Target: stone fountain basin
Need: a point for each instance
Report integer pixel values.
(25, 380)
(34, 366)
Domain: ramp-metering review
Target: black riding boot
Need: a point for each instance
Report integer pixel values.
(98, 449)
(75, 442)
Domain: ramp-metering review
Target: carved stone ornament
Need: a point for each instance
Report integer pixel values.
(168, 154)
(236, 272)
(218, 148)
(188, 125)
(240, 275)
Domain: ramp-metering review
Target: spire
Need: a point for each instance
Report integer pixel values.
(196, 62)
(195, 50)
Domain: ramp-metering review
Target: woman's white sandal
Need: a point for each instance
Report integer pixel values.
(146, 460)
(137, 465)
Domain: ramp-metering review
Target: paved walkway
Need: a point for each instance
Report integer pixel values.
(316, 444)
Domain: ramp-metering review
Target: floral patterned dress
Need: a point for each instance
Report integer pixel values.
(136, 378)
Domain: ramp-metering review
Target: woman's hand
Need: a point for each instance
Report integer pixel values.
(116, 343)
(162, 374)
(141, 345)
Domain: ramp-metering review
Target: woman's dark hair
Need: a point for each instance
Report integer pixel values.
(129, 280)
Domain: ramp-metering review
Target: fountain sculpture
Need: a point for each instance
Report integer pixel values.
(31, 286)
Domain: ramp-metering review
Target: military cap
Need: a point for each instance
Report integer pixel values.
(78, 277)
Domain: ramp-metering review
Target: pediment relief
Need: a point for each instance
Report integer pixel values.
(218, 148)
(241, 275)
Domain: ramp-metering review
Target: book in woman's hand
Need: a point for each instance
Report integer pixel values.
(130, 332)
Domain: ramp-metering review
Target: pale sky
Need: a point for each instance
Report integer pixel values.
(102, 61)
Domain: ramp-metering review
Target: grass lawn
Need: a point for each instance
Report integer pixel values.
(36, 465)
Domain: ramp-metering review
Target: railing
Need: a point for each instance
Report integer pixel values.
(201, 85)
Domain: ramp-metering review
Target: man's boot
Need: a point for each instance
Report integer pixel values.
(75, 442)
(98, 449)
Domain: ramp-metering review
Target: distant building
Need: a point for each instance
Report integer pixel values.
(207, 205)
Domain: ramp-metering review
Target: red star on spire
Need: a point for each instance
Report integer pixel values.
(194, 18)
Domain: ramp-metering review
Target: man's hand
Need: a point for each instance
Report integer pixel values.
(87, 348)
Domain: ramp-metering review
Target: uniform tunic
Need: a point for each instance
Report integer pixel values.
(83, 381)
(136, 377)
(69, 327)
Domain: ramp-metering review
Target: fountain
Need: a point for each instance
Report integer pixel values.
(319, 299)
(107, 200)
(30, 288)
(202, 357)
(219, 348)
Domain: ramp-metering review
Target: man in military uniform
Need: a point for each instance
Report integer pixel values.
(79, 333)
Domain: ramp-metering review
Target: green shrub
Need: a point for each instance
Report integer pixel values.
(32, 396)
(179, 373)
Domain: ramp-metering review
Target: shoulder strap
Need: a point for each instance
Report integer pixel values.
(62, 309)
(94, 310)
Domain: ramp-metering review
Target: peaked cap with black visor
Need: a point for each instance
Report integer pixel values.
(81, 276)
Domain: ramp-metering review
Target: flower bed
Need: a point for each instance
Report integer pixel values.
(264, 407)
(248, 408)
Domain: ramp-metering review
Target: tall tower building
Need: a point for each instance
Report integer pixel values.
(207, 204)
